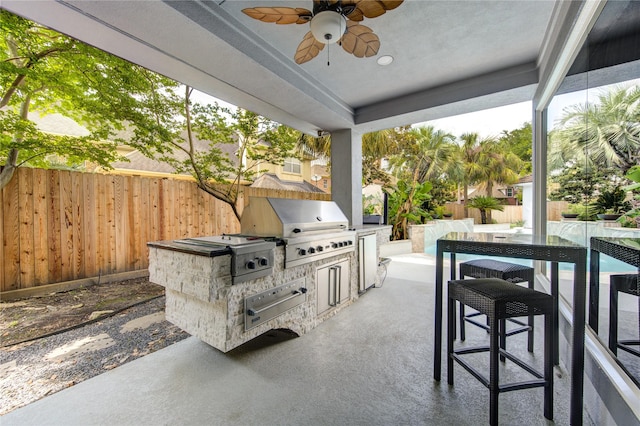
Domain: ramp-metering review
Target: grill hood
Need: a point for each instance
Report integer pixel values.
(287, 218)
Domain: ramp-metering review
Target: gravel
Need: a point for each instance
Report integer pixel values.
(30, 371)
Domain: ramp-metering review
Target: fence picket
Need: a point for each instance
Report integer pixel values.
(11, 233)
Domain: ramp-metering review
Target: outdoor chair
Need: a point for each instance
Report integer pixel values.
(499, 300)
(510, 272)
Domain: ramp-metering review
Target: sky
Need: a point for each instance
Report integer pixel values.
(487, 123)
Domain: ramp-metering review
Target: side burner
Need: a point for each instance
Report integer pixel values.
(251, 257)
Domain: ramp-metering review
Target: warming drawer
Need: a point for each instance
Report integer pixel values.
(267, 305)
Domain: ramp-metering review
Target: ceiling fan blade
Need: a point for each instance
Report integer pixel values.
(279, 15)
(308, 49)
(374, 8)
(360, 41)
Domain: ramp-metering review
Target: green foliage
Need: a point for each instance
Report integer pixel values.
(631, 218)
(442, 192)
(633, 175)
(520, 142)
(485, 204)
(578, 184)
(49, 72)
(612, 201)
(214, 144)
(371, 205)
(45, 71)
(611, 138)
(405, 206)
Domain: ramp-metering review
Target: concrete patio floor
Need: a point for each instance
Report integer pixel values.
(369, 365)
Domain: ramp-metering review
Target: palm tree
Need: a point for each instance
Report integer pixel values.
(468, 161)
(485, 162)
(604, 133)
(485, 205)
(425, 154)
(375, 146)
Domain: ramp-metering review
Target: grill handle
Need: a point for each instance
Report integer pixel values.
(294, 293)
(326, 228)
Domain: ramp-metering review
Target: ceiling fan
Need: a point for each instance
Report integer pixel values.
(332, 21)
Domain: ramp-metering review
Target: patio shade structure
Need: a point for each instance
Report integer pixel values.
(450, 57)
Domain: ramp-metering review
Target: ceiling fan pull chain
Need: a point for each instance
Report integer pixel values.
(328, 48)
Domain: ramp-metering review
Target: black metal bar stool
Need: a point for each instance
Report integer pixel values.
(498, 300)
(629, 284)
(510, 272)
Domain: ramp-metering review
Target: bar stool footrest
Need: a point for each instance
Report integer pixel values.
(457, 355)
(625, 346)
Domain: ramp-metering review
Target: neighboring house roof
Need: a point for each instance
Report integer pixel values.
(57, 124)
(497, 192)
(320, 170)
(140, 162)
(271, 181)
(525, 179)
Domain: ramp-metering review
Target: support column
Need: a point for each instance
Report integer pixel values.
(539, 159)
(346, 173)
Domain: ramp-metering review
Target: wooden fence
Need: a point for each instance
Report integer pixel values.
(58, 226)
(511, 214)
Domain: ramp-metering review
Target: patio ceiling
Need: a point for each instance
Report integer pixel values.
(450, 57)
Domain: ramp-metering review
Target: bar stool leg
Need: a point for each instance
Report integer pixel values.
(531, 282)
(494, 390)
(548, 366)
(556, 327)
(462, 328)
(613, 317)
(502, 337)
(451, 326)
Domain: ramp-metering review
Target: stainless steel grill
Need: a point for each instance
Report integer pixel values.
(311, 229)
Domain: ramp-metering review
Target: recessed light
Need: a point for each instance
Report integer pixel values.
(385, 60)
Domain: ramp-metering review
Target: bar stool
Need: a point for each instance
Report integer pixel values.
(510, 272)
(629, 284)
(498, 299)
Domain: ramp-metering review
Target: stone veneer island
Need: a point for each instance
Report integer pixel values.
(201, 300)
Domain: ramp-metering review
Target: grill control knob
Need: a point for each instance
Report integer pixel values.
(334, 245)
(263, 261)
(340, 244)
(302, 252)
(312, 250)
(302, 290)
(350, 242)
(251, 264)
(319, 248)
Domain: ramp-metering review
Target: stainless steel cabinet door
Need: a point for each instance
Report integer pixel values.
(332, 283)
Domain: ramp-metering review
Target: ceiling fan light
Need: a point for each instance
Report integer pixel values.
(328, 26)
(385, 60)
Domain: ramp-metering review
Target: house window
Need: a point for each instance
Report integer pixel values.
(325, 183)
(292, 165)
(509, 192)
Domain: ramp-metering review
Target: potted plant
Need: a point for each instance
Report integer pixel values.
(609, 214)
(611, 203)
(571, 212)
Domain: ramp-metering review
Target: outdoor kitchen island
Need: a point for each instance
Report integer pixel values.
(227, 290)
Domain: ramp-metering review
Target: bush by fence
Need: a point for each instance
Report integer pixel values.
(59, 226)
